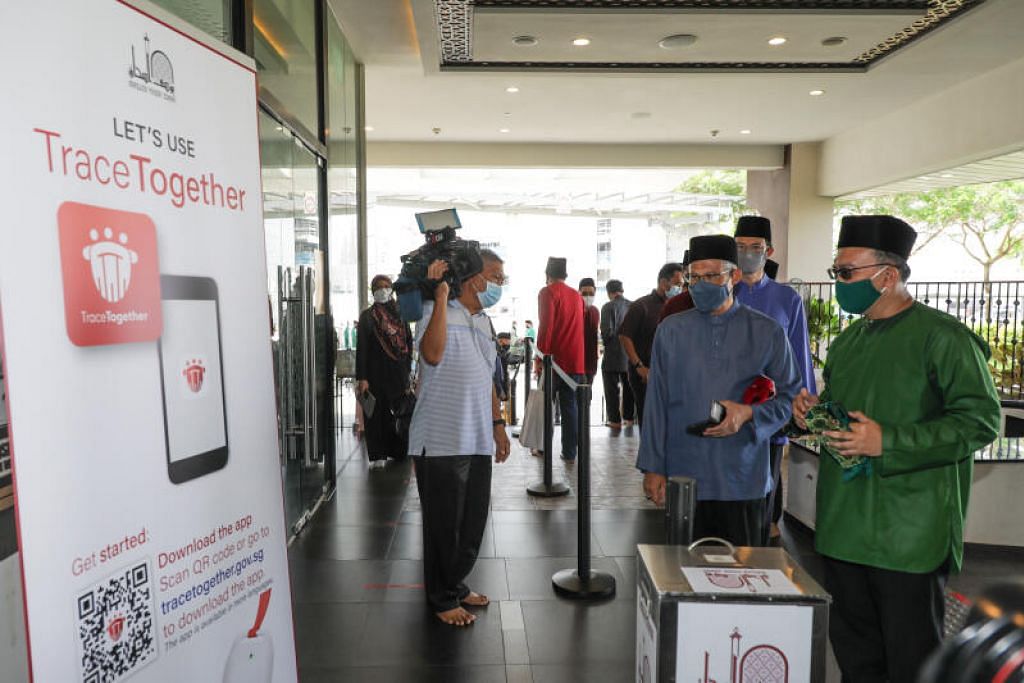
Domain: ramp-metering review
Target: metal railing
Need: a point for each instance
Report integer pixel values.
(993, 310)
(582, 582)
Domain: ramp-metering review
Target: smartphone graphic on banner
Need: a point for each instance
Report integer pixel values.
(192, 378)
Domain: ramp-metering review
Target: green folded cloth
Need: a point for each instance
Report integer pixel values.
(832, 417)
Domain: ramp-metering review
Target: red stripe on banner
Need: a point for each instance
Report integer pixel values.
(14, 488)
(390, 586)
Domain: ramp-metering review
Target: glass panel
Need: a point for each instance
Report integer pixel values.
(291, 223)
(341, 183)
(284, 32)
(211, 16)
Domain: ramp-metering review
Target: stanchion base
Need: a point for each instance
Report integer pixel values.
(557, 488)
(568, 584)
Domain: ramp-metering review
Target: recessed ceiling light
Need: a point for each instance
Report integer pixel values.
(640, 115)
(511, 88)
(834, 41)
(581, 42)
(745, 131)
(677, 42)
(369, 129)
(503, 130)
(777, 40)
(524, 41)
(507, 114)
(947, 175)
(816, 93)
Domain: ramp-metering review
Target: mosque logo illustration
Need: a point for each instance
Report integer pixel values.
(155, 70)
(111, 263)
(752, 581)
(759, 664)
(194, 373)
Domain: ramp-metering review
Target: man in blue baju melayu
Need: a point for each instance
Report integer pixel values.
(713, 352)
(782, 304)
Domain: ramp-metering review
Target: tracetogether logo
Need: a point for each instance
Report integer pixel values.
(194, 373)
(115, 628)
(111, 264)
(152, 72)
(111, 274)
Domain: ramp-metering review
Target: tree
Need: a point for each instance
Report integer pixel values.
(731, 185)
(986, 220)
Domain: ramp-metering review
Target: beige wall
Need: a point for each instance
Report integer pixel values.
(977, 119)
(801, 219)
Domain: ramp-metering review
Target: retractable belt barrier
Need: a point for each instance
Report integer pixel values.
(581, 583)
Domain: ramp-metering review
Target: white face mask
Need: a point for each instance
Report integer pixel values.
(382, 296)
(588, 300)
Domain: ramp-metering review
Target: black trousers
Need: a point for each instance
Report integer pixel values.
(883, 623)
(639, 387)
(741, 522)
(773, 501)
(382, 439)
(612, 382)
(455, 496)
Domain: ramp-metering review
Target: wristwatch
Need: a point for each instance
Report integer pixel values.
(637, 365)
(498, 422)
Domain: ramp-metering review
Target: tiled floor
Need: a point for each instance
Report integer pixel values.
(357, 577)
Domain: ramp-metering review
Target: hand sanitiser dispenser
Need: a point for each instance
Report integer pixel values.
(252, 656)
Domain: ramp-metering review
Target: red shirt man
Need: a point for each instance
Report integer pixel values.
(561, 322)
(561, 336)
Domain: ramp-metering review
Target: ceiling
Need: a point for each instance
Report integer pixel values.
(414, 93)
(1004, 167)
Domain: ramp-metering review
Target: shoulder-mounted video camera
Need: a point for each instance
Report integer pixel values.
(462, 256)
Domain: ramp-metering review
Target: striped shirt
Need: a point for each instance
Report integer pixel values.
(453, 409)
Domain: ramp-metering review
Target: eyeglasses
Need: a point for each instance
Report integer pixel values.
(752, 248)
(500, 280)
(712, 278)
(846, 272)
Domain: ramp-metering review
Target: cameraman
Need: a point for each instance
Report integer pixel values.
(455, 428)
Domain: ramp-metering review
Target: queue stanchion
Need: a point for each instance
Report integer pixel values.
(583, 583)
(528, 364)
(680, 508)
(548, 488)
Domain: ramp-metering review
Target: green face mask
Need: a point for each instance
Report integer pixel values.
(857, 297)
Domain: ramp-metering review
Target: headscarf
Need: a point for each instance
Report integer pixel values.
(390, 330)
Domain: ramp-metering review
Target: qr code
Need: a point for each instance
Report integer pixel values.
(116, 627)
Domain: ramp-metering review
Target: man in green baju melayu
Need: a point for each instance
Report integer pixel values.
(921, 401)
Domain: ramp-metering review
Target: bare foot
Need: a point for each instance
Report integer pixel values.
(456, 617)
(476, 600)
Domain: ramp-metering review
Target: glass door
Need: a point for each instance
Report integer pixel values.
(295, 266)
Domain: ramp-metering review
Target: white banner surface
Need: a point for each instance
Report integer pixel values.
(137, 352)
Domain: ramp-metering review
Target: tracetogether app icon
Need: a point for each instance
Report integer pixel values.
(195, 370)
(111, 275)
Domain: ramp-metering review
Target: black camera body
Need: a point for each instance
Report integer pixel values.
(462, 256)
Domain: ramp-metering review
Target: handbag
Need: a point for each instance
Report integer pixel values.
(401, 412)
(532, 433)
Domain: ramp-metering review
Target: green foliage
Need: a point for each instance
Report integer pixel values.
(722, 183)
(986, 220)
(1007, 361)
(822, 326)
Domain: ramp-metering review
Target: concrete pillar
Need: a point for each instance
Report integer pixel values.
(801, 219)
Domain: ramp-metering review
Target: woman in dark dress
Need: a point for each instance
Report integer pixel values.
(383, 363)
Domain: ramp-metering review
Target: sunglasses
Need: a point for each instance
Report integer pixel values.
(846, 272)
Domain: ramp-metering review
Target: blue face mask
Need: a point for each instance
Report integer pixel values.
(708, 297)
(489, 296)
(674, 290)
